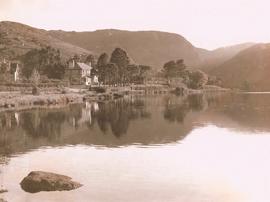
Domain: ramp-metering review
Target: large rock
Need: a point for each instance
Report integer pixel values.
(38, 181)
(3, 191)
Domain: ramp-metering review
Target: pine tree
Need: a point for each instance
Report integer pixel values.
(121, 59)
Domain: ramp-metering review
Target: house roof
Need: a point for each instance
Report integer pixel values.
(84, 66)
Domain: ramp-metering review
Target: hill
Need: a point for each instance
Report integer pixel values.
(16, 39)
(248, 70)
(212, 59)
(240, 66)
(152, 48)
(144, 47)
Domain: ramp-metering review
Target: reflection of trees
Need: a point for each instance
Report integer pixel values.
(197, 102)
(46, 123)
(176, 108)
(176, 112)
(118, 114)
(41, 123)
(74, 114)
(7, 121)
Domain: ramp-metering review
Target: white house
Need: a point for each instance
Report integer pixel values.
(80, 73)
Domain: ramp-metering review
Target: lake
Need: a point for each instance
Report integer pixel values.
(198, 148)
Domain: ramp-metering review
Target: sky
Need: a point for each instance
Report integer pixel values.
(205, 23)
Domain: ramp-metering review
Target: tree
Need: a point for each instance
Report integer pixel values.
(102, 62)
(55, 71)
(91, 59)
(46, 61)
(31, 61)
(35, 77)
(132, 73)
(144, 70)
(121, 59)
(174, 68)
(197, 79)
(3, 68)
(213, 80)
(111, 76)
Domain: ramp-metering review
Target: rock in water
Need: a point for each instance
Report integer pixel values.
(38, 181)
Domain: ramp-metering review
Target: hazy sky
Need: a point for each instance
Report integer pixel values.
(205, 23)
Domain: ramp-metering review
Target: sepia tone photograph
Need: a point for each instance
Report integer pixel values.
(134, 101)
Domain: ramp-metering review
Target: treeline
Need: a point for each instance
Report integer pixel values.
(192, 78)
(45, 62)
(118, 69)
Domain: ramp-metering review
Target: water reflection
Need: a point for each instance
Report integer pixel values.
(118, 115)
(176, 108)
(166, 148)
(134, 120)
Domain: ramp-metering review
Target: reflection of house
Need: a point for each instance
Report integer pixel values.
(87, 112)
(80, 73)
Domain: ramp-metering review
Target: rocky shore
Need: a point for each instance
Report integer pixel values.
(38, 181)
(2, 191)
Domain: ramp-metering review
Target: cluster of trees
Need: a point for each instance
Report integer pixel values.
(45, 61)
(3, 71)
(193, 78)
(118, 69)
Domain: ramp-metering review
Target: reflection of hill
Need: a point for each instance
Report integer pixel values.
(118, 123)
(240, 111)
(138, 120)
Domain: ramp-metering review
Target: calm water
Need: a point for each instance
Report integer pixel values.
(213, 148)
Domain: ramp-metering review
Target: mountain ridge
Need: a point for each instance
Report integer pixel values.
(151, 47)
(247, 70)
(248, 61)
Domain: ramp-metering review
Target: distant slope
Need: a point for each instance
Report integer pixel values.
(145, 47)
(243, 65)
(215, 58)
(16, 39)
(249, 69)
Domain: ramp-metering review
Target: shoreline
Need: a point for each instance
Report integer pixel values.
(17, 101)
(21, 101)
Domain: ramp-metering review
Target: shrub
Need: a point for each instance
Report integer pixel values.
(98, 89)
(35, 90)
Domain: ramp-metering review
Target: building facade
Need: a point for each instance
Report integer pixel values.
(78, 73)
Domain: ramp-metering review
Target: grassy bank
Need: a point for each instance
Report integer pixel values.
(17, 100)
